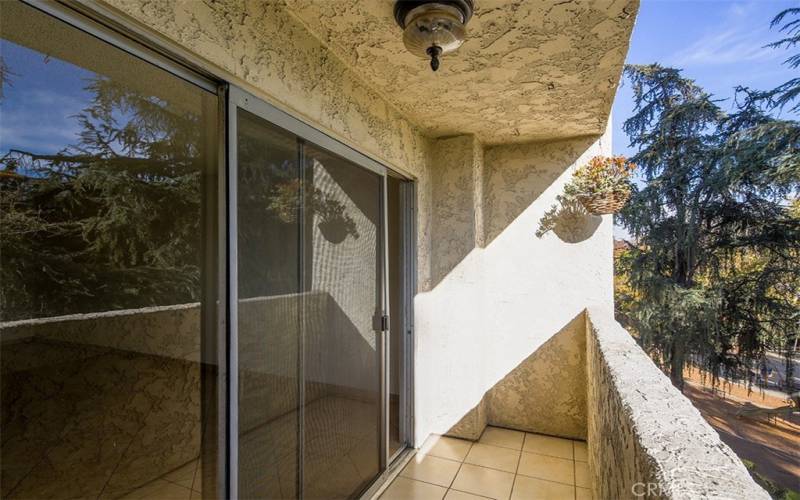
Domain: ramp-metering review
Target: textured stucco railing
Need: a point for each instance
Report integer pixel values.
(646, 440)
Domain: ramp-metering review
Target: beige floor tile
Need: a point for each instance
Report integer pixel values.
(365, 459)
(183, 476)
(581, 451)
(404, 488)
(431, 470)
(583, 494)
(341, 480)
(549, 468)
(502, 437)
(529, 488)
(548, 445)
(160, 490)
(197, 484)
(485, 482)
(582, 475)
(446, 447)
(460, 495)
(258, 478)
(494, 457)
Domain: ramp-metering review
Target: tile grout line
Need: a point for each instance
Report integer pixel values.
(468, 493)
(419, 481)
(197, 468)
(543, 479)
(493, 468)
(483, 467)
(498, 445)
(441, 458)
(460, 465)
(574, 474)
(516, 471)
(546, 455)
(170, 481)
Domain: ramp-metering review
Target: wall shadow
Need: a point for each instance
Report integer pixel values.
(517, 175)
(478, 193)
(545, 393)
(568, 220)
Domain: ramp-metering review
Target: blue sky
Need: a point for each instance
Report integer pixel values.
(41, 101)
(718, 43)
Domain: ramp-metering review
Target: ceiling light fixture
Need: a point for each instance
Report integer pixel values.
(433, 28)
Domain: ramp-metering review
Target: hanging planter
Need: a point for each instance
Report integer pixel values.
(604, 203)
(602, 186)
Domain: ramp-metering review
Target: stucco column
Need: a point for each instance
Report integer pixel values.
(456, 172)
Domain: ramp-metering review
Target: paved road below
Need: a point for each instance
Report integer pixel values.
(773, 447)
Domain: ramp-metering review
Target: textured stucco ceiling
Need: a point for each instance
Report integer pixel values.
(529, 70)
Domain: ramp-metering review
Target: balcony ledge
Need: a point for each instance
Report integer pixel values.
(645, 438)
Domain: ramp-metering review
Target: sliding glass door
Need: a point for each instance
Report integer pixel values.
(311, 329)
(270, 308)
(108, 267)
(194, 300)
(342, 356)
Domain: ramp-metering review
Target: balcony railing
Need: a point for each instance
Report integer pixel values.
(645, 438)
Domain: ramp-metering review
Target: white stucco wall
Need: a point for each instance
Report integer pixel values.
(502, 302)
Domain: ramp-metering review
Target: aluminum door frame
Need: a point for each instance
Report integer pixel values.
(241, 99)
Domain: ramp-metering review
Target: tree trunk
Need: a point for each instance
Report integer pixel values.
(676, 364)
(789, 358)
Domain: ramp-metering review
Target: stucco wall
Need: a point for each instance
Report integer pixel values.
(491, 292)
(112, 398)
(546, 393)
(456, 179)
(500, 303)
(173, 333)
(645, 437)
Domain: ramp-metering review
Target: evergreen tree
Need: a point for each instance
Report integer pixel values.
(788, 22)
(716, 268)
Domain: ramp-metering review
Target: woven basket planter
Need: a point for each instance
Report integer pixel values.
(604, 203)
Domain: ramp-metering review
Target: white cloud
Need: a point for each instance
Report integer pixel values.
(730, 46)
(38, 120)
(733, 40)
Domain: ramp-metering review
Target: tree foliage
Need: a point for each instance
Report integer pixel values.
(110, 222)
(788, 23)
(715, 274)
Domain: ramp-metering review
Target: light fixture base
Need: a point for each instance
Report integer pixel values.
(433, 28)
(403, 7)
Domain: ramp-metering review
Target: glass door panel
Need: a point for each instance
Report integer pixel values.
(310, 299)
(343, 234)
(108, 175)
(270, 304)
